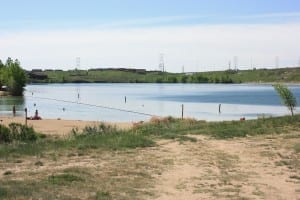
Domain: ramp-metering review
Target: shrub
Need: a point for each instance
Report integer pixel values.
(17, 132)
(287, 97)
(22, 132)
(4, 134)
(100, 129)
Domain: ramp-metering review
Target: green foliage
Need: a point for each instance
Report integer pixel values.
(287, 97)
(17, 132)
(22, 133)
(4, 134)
(12, 76)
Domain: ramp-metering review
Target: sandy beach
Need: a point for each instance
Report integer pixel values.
(58, 126)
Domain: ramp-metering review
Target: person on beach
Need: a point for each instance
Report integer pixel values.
(36, 116)
(219, 108)
(14, 110)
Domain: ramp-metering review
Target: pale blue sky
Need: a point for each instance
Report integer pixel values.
(116, 32)
(36, 14)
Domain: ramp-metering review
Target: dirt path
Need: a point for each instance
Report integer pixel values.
(253, 168)
(249, 168)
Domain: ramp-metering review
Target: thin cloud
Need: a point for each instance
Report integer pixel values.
(271, 15)
(197, 47)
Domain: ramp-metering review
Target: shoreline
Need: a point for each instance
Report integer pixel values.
(60, 127)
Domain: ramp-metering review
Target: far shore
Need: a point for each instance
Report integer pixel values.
(59, 127)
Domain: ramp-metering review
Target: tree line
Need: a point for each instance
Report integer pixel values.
(12, 77)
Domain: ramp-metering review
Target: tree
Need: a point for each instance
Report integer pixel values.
(287, 97)
(1, 64)
(13, 76)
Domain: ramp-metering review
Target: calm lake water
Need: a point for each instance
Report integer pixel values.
(201, 101)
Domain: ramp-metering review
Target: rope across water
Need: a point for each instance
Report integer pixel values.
(94, 105)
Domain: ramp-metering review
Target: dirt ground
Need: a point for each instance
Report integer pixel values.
(260, 167)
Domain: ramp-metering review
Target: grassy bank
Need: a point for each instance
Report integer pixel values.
(287, 75)
(60, 167)
(144, 135)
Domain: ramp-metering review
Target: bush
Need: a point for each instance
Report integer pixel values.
(100, 129)
(22, 132)
(5, 136)
(17, 132)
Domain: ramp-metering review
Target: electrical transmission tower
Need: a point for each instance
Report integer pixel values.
(77, 63)
(161, 63)
(277, 62)
(235, 61)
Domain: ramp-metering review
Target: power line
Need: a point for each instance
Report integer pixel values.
(94, 105)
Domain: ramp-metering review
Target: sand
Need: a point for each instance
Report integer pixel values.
(59, 127)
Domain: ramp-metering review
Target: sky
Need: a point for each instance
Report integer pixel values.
(194, 35)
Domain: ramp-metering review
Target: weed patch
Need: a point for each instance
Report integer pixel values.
(297, 148)
(102, 195)
(64, 179)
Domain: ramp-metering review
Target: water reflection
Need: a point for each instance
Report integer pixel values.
(7, 103)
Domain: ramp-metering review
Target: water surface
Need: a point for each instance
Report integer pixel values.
(201, 101)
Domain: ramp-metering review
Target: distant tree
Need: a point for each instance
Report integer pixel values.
(184, 79)
(172, 79)
(287, 97)
(3, 74)
(159, 80)
(13, 76)
(1, 64)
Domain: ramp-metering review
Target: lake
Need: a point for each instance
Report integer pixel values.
(106, 102)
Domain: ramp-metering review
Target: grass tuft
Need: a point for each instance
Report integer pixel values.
(297, 148)
(63, 179)
(103, 195)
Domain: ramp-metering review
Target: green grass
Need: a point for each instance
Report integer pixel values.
(3, 192)
(106, 137)
(174, 128)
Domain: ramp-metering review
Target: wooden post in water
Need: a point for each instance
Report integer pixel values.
(25, 116)
(182, 108)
